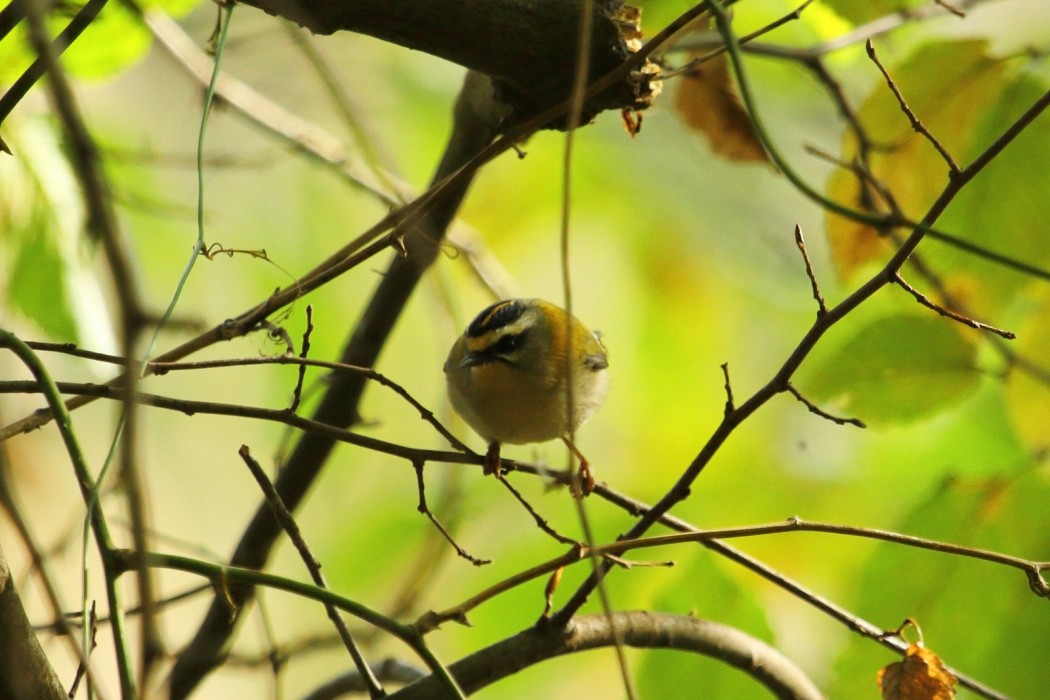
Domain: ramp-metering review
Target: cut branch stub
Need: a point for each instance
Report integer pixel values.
(528, 47)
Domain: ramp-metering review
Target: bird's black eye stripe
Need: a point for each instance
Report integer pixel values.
(506, 345)
(496, 316)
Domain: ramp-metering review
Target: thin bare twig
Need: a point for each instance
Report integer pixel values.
(730, 404)
(863, 173)
(859, 167)
(228, 577)
(813, 408)
(951, 8)
(425, 510)
(291, 528)
(1032, 569)
(836, 612)
(948, 313)
(916, 123)
(540, 521)
(297, 393)
(744, 40)
(73, 618)
(822, 308)
(160, 368)
(190, 407)
(82, 666)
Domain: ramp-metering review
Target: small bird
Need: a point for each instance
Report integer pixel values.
(507, 376)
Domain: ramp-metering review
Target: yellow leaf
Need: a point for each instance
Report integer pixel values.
(708, 104)
(920, 676)
(852, 244)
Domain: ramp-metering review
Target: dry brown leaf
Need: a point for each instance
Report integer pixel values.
(708, 104)
(920, 676)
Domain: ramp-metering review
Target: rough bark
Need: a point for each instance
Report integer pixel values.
(528, 47)
(25, 671)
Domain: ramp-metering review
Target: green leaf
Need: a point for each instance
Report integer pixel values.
(116, 39)
(15, 55)
(49, 280)
(895, 370)
(36, 286)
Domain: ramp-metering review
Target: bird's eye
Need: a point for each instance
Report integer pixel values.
(506, 345)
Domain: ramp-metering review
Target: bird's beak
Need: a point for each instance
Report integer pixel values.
(470, 359)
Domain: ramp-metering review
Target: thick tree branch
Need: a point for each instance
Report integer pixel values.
(25, 671)
(638, 629)
(527, 46)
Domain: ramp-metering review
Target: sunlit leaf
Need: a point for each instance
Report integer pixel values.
(36, 285)
(115, 39)
(49, 279)
(948, 86)
(15, 55)
(897, 369)
(707, 102)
